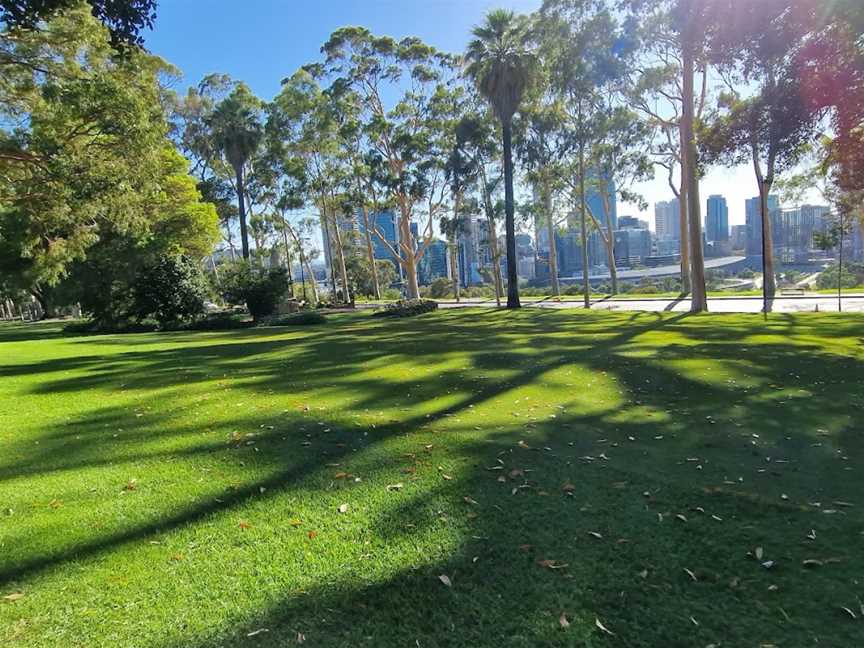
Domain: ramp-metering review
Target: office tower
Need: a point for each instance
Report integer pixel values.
(667, 219)
(717, 219)
(753, 220)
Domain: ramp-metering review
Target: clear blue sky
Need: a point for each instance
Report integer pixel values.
(263, 41)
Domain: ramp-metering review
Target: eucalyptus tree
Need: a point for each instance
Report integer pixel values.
(543, 144)
(472, 167)
(770, 126)
(237, 131)
(304, 123)
(655, 91)
(407, 132)
(502, 66)
(585, 50)
(620, 161)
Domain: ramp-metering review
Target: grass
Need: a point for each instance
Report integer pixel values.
(184, 489)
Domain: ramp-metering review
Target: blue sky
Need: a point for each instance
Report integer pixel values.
(263, 41)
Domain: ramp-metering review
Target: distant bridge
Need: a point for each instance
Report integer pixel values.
(731, 264)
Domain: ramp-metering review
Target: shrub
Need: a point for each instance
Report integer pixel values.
(171, 290)
(441, 287)
(303, 318)
(221, 321)
(261, 290)
(407, 308)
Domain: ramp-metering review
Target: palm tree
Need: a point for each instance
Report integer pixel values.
(237, 132)
(501, 66)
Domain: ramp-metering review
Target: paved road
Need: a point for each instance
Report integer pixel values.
(787, 304)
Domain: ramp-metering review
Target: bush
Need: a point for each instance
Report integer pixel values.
(303, 318)
(171, 290)
(407, 308)
(441, 287)
(221, 321)
(93, 327)
(261, 290)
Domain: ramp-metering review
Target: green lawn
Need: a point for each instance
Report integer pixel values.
(625, 470)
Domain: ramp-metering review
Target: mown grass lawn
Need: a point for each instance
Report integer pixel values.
(662, 476)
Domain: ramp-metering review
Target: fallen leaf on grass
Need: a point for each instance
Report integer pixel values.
(849, 612)
(343, 508)
(594, 534)
(551, 564)
(681, 517)
(758, 553)
(312, 535)
(300, 637)
(294, 522)
(245, 525)
(446, 580)
(395, 487)
(257, 632)
(341, 475)
(690, 574)
(15, 596)
(563, 622)
(131, 485)
(471, 501)
(568, 487)
(55, 504)
(812, 562)
(603, 628)
(447, 477)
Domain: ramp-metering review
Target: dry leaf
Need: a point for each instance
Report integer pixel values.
(690, 574)
(446, 580)
(603, 628)
(294, 522)
(469, 500)
(758, 553)
(516, 472)
(55, 504)
(343, 508)
(445, 476)
(131, 485)
(568, 487)
(643, 573)
(551, 564)
(395, 487)
(681, 517)
(245, 525)
(312, 534)
(14, 596)
(595, 535)
(301, 637)
(257, 632)
(812, 562)
(849, 612)
(341, 475)
(562, 620)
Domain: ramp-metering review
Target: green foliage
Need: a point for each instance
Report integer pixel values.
(360, 274)
(172, 290)
(220, 321)
(853, 276)
(261, 290)
(441, 287)
(407, 308)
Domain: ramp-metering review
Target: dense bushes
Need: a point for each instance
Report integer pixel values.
(407, 308)
(261, 290)
(853, 276)
(171, 290)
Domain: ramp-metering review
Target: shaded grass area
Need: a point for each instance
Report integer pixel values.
(184, 489)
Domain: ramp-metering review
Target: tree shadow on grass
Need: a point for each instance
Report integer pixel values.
(612, 455)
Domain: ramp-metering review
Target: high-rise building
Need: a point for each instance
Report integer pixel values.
(717, 219)
(667, 220)
(739, 237)
(631, 222)
(347, 232)
(386, 223)
(753, 220)
(433, 264)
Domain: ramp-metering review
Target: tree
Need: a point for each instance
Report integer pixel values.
(771, 127)
(502, 66)
(410, 136)
(543, 144)
(585, 50)
(237, 132)
(81, 147)
(469, 168)
(124, 18)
